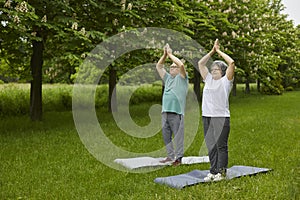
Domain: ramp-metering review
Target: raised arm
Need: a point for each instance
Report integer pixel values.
(160, 65)
(203, 61)
(177, 61)
(228, 60)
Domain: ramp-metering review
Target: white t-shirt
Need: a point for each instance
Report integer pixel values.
(215, 100)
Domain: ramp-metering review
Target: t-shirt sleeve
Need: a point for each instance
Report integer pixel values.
(226, 82)
(166, 77)
(208, 76)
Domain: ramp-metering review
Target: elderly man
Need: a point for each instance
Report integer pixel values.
(173, 105)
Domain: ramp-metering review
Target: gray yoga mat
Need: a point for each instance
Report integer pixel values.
(197, 176)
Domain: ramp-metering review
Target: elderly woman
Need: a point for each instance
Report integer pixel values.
(215, 110)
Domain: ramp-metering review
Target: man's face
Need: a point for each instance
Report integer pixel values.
(174, 69)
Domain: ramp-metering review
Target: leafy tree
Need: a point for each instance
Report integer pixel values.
(50, 39)
(129, 15)
(258, 33)
(210, 22)
(32, 24)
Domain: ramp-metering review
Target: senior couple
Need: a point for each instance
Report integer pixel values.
(218, 79)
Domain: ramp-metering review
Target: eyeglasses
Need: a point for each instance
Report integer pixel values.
(215, 69)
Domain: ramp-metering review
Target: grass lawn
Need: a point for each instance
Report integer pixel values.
(47, 160)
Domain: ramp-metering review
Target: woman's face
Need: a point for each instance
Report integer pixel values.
(216, 72)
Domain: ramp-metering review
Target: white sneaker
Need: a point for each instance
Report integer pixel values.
(218, 177)
(209, 177)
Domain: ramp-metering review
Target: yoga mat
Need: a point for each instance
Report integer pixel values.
(139, 162)
(197, 176)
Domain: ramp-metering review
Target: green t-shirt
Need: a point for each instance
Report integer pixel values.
(175, 92)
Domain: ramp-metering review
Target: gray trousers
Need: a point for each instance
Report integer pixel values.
(216, 133)
(173, 123)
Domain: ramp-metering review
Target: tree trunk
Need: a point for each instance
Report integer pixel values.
(234, 87)
(197, 88)
(112, 96)
(247, 90)
(36, 64)
(258, 85)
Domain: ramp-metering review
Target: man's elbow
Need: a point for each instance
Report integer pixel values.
(159, 66)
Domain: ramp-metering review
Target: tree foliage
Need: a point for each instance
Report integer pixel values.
(263, 43)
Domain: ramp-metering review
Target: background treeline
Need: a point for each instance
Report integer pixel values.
(47, 41)
(255, 33)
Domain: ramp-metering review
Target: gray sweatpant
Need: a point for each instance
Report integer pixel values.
(173, 123)
(216, 133)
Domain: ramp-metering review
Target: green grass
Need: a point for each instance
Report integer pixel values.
(47, 160)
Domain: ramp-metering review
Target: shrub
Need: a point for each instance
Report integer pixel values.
(65, 95)
(14, 100)
(146, 94)
(101, 97)
(57, 97)
(289, 88)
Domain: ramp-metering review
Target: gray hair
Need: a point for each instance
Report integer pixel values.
(222, 65)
